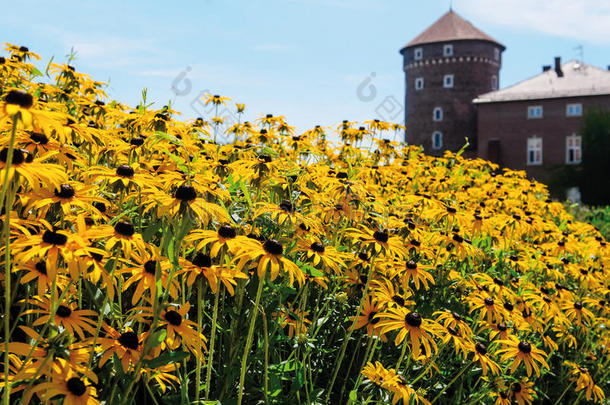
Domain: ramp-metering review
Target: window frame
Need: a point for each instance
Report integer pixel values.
(577, 149)
(440, 146)
(448, 50)
(434, 114)
(419, 80)
(573, 114)
(496, 53)
(445, 77)
(534, 147)
(494, 82)
(531, 109)
(418, 53)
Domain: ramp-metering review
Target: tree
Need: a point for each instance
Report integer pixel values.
(594, 173)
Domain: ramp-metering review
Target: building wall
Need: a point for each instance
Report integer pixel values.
(507, 123)
(473, 64)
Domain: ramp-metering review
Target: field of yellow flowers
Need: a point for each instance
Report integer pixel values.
(144, 263)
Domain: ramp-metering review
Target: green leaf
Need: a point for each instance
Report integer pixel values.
(353, 395)
(166, 358)
(158, 338)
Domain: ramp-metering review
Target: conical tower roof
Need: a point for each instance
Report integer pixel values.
(451, 27)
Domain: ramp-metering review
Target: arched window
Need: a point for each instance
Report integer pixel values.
(437, 140)
(437, 114)
(494, 82)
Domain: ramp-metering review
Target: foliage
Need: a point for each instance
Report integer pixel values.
(145, 263)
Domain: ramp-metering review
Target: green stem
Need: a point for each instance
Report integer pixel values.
(351, 330)
(7, 262)
(462, 371)
(563, 393)
(208, 375)
(244, 358)
(199, 323)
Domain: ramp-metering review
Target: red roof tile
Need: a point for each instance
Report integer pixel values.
(450, 27)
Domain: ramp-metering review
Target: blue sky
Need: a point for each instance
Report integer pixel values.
(304, 59)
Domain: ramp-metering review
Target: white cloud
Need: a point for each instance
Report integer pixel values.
(587, 20)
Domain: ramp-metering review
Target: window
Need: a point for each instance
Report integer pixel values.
(437, 140)
(437, 114)
(447, 50)
(419, 83)
(534, 151)
(494, 82)
(534, 111)
(418, 53)
(496, 54)
(574, 110)
(448, 81)
(573, 149)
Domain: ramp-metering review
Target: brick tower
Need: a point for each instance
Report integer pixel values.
(446, 67)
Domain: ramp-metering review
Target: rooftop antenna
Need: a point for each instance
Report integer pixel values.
(580, 52)
(450, 5)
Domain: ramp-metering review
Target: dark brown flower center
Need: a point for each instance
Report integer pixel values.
(458, 238)
(381, 236)
(457, 316)
(65, 191)
(137, 141)
(372, 319)
(150, 266)
(54, 238)
(317, 247)
(516, 387)
(578, 305)
(489, 301)
(124, 228)
(227, 232)
(39, 138)
(273, 247)
(525, 347)
(480, 348)
(185, 193)
(125, 171)
(63, 311)
(453, 331)
(41, 267)
(20, 98)
(76, 386)
(18, 156)
(173, 317)
(202, 260)
(411, 265)
(508, 306)
(286, 206)
(502, 327)
(129, 340)
(498, 281)
(413, 319)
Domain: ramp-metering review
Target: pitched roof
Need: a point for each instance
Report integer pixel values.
(579, 79)
(450, 27)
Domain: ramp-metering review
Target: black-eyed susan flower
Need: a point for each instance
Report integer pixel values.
(479, 351)
(269, 255)
(408, 323)
(522, 351)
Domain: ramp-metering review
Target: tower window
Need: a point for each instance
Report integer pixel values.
(534, 151)
(448, 81)
(418, 53)
(494, 82)
(437, 114)
(419, 83)
(574, 110)
(437, 140)
(573, 149)
(534, 111)
(496, 54)
(447, 50)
